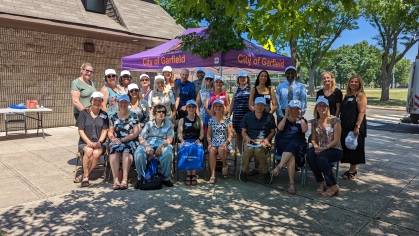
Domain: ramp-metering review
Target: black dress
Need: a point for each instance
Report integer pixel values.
(348, 117)
(334, 98)
(292, 139)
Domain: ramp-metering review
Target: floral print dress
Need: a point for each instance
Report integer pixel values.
(220, 132)
(123, 128)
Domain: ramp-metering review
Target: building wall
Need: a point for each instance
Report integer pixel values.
(35, 64)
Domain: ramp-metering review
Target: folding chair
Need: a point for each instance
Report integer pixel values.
(79, 162)
(19, 118)
(268, 156)
(332, 164)
(277, 158)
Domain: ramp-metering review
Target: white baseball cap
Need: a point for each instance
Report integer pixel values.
(109, 72)
(291, 68)
(125, 72)
(97, 95)
(167, 68)
(142, 75)
(132, 86)
(158, 77)
(351, 141)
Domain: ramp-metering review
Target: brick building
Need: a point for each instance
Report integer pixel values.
(43, 44)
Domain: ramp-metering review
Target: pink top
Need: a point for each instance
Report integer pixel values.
(222, 96)
(324, 136)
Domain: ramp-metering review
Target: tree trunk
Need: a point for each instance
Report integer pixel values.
(311, 74)
(385, 79)
(294, 55)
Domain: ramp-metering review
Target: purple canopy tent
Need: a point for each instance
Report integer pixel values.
(253, 58)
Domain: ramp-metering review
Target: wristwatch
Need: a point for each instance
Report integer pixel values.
(357, 126)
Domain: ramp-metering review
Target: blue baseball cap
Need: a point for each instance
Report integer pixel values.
(200, 69)
(219, 101)
(291, 68)
(295, 103)
(322, 99)
(123, 97)
(219, 78)
(260, 100)
(209, 74)
(242, 73)
(191, 102)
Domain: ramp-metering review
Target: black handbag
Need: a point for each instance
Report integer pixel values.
(153, 183)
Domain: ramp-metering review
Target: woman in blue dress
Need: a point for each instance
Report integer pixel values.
(239, 105)
(123, 134)
(291, 142)
(207, 87)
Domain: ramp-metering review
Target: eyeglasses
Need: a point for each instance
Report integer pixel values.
(322, 106)
(161, 111)
(111, 76)
(88, 71)
(134, 90)
(142, 80)
(126, 77)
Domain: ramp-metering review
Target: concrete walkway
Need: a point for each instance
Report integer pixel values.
(38, 197)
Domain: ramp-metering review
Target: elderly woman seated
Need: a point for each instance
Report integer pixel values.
(123, 134)
(155, 141)
(326, 131)
(290, 142)
(191, 130)
(93, 124)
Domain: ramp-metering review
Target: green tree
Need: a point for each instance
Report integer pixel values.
(396, 22)
(402, 71)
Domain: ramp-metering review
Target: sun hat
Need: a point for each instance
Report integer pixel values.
(295, 103)
(218, 101)
(191, 102)
(109, 72)
(351, 141)
(167, 68)
(218, 78)
(142, 75)
(242, 73)
(97, 94)
(291, 68)
(123, 97)
(132, 86)
(322, 99)
(209, 74)
(260, 100)
(200, 69)
(125, 72)
(158, 77)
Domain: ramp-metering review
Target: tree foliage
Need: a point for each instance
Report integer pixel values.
(402, 71)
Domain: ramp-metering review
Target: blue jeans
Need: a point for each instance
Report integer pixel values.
(320, 164)
(165, 159)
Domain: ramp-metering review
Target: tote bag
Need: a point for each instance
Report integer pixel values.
(190, 156)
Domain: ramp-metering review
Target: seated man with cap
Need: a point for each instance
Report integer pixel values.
(258, 128)
(290, 90)
(187, 92)
(200, 73)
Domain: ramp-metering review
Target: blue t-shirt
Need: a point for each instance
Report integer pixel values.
(186, 92)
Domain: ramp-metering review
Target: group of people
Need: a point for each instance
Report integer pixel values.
(139, 123)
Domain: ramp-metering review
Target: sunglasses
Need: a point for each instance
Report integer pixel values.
(111, 76)
(89, 71)
(126, 77)
(161, 111)
(142, 80)
(134, 90)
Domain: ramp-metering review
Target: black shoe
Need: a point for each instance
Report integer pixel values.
(266, 178)
(168, 183)
(137, 185)
(297, 168)
(243, 177)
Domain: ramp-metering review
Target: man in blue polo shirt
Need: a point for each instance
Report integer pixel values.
(258, 128)
(187, 92)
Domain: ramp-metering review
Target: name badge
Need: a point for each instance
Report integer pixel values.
(329, 129)
(222, 96)
(267, 96)
(103, 116)
(350, 99)
(188, 124)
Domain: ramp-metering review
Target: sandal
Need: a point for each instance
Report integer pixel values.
(225, 171)
(253, 172)
(188, 180)
(123, 185)
(291, 189)
(78, 179)
(331, 193)
(85, 183)
(212, 180)
(116, 185)
(193, 180)
(349, 176)
(275, 171)
(321, 189)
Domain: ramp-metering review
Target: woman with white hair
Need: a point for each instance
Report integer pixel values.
(325, 137)
(290, 142)
(162, 95)
(93, 124)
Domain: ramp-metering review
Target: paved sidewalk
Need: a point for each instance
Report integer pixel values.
(38, 197)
